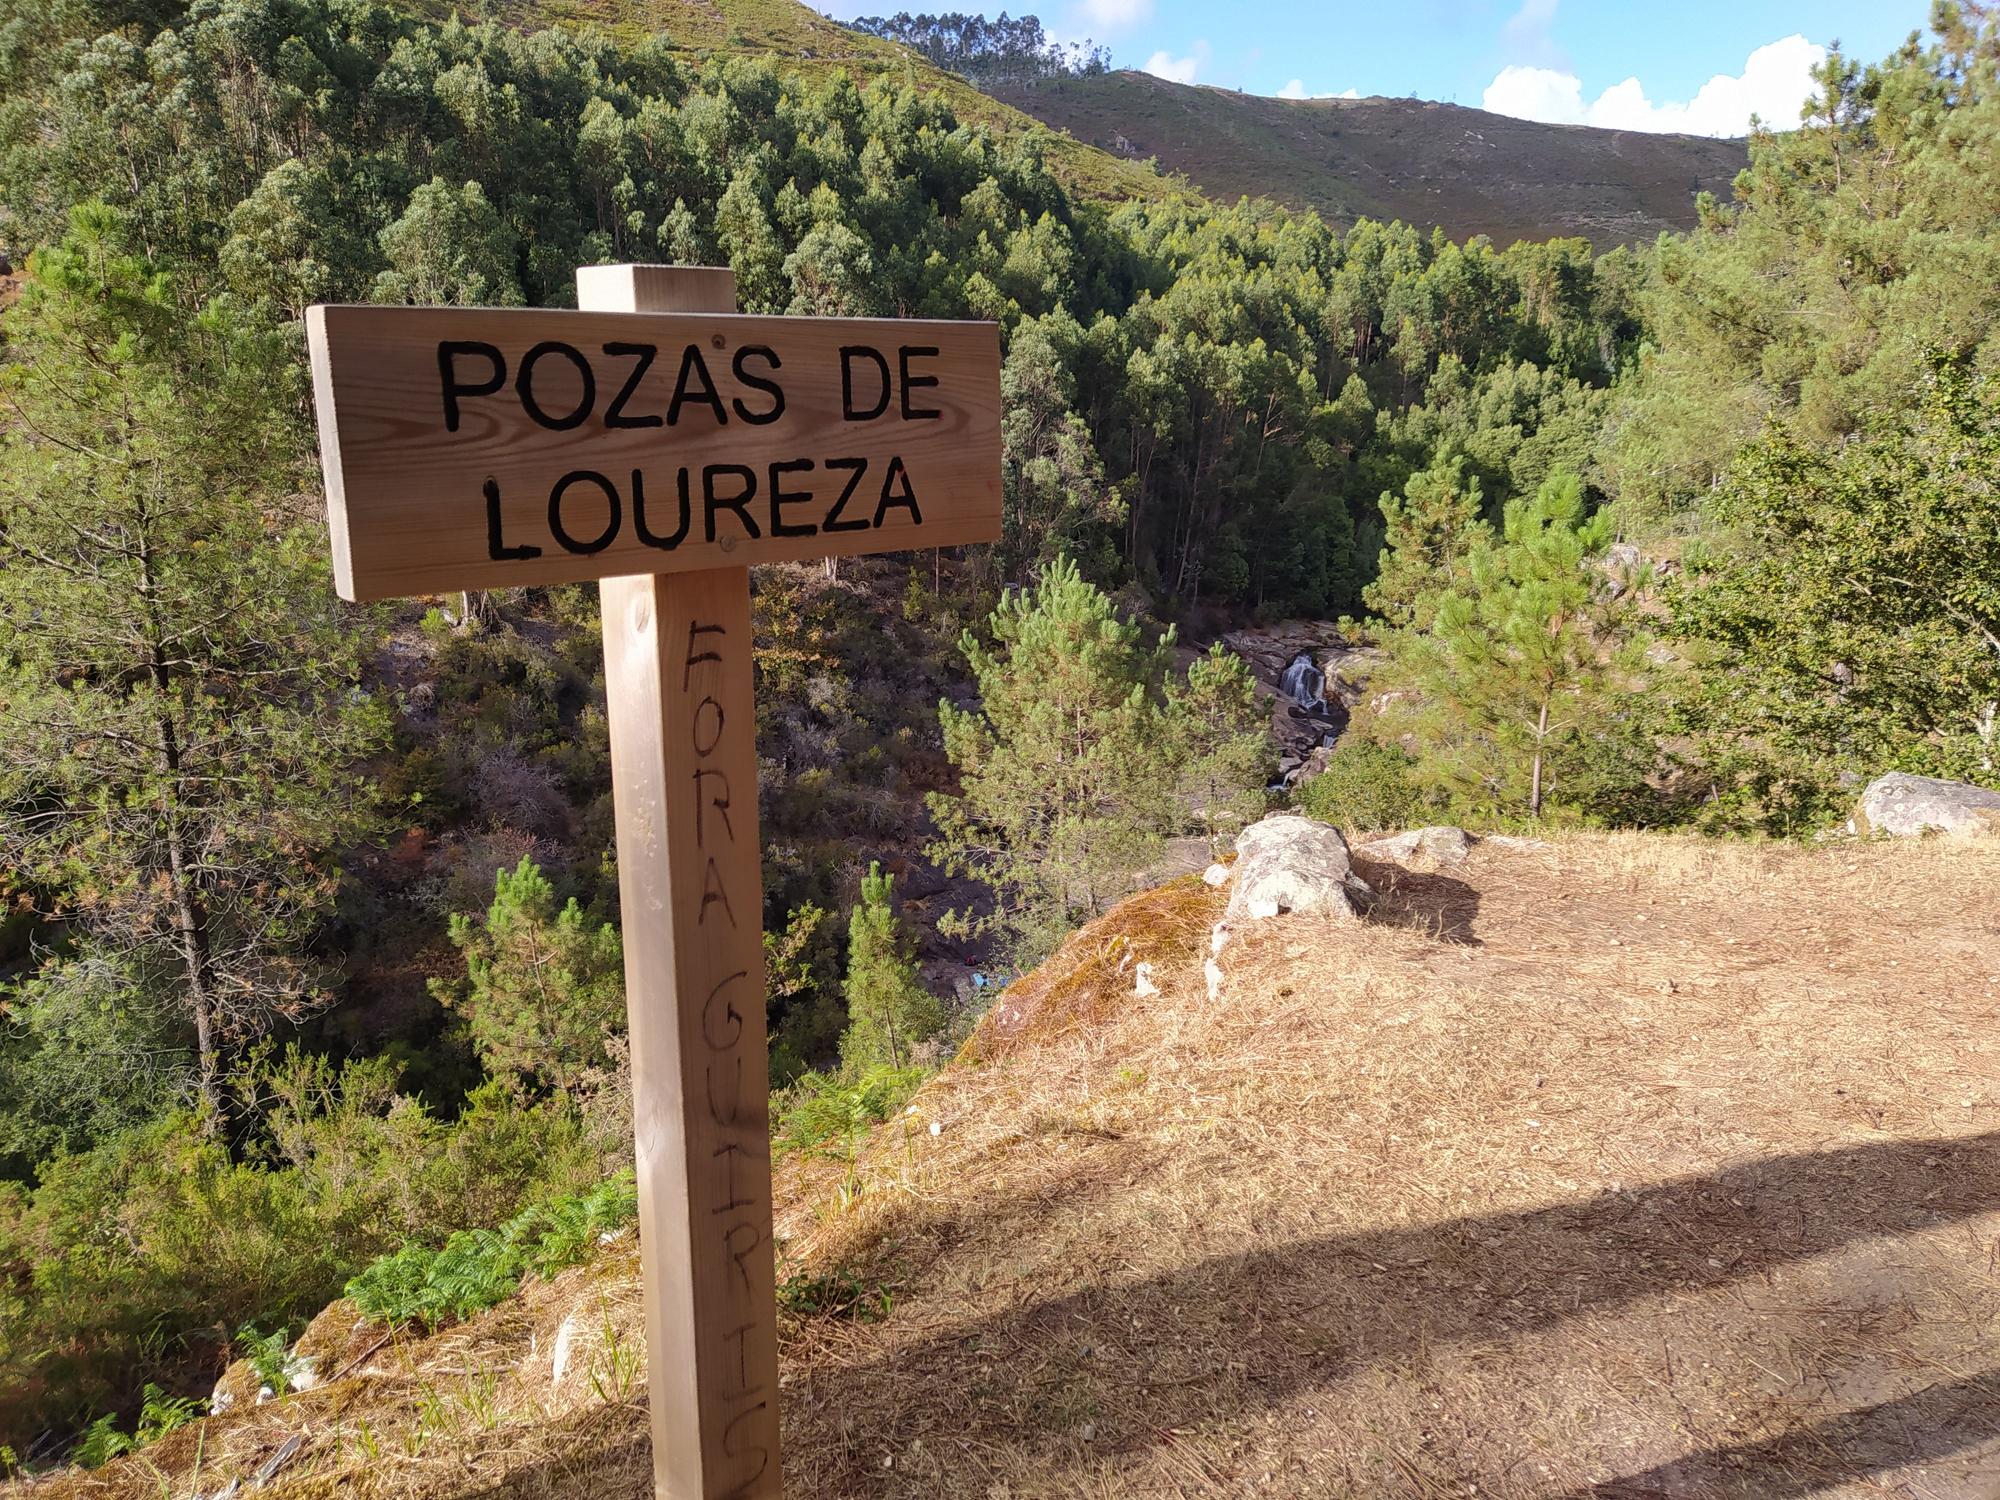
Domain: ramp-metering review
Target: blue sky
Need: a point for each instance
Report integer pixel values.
(1699, 65)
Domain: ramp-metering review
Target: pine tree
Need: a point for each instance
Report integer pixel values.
(180, 715)
(889, 1012)
(1517, 657)
(1221, 743)
(1063, 787)
(543, 987)
(1428, 535)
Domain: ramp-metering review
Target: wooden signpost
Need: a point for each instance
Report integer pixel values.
(660, 443)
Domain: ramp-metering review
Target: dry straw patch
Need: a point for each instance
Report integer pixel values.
(1626, 1167)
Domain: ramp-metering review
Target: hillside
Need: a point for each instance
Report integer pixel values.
(1624, 1166)
(1424, 163)
(1471, 172)
(805, 41)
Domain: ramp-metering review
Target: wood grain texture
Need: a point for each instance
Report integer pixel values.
(473, 448)
(678, 680)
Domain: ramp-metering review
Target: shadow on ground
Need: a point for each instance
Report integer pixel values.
(1307, 1314)
(1436, 905)
(1922, 1427)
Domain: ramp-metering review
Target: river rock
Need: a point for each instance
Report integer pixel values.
(1288, 863)
(1904, 806)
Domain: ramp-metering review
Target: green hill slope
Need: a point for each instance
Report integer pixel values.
(805, 40)
(1425, 163)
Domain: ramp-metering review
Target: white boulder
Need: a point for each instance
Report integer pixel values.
(1292, 864)
(1904, 806)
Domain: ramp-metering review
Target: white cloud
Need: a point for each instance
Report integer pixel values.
(1296, 89)
(1536, 94)
(1116, 15)
(1527, 30)
(1178, 69)
(1776, 79)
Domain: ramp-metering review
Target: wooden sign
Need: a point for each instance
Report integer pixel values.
(482, 448)
(658, 443)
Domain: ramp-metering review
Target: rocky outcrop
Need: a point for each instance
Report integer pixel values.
(1293, 769)
(337, 1338)
(1904, 806)
(1306, 673)
(1272, 649)
(1348, 674)
(1292, 864)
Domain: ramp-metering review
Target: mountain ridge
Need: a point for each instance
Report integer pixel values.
(1466, 170)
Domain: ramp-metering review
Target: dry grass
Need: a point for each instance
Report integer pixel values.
(1629, 1167)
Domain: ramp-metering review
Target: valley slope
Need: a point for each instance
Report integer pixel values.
(800, 39)
(1425, 163)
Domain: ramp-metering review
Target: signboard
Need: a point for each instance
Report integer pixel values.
(477, 448)
(659, 443)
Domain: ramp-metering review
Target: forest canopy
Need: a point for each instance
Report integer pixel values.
(1009, 49)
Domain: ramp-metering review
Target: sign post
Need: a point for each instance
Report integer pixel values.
(659, 443)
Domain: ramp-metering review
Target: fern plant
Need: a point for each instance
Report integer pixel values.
(270, 1355)
(101, 1442)
(477, 1268)
(160, 1414)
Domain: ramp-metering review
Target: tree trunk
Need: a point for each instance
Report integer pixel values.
(190, 911)
(191, 923)
(895, 1042)
(1535, 783)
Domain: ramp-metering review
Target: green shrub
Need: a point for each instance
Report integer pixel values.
(823, 1111)
(1366, 787)
(125, 1255)
(478, 1268)
(839, 1293)
(350, 1169)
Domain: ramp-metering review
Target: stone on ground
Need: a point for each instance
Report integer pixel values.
(1442, 845)
(1905, 806)
(1292, 864)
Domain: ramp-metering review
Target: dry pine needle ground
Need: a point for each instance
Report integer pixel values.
(1629, 1167)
